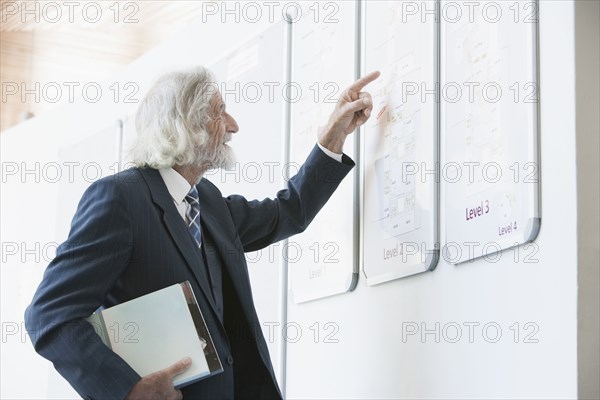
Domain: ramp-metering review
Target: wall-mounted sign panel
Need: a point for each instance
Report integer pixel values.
(96, 156)
(400, 152)
(323, 65)
(490, 97)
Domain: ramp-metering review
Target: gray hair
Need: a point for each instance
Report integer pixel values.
(171, 120)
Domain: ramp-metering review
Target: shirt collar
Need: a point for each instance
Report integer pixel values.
(177, 185)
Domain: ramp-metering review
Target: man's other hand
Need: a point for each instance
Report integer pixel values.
(352, 110)
(159, 385)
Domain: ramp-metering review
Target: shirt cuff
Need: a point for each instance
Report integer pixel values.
(335, 156)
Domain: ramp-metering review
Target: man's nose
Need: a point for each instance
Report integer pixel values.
(232, 125)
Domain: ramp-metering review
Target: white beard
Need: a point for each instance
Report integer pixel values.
(222, 157)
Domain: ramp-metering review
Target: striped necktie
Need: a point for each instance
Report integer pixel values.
(193, 214)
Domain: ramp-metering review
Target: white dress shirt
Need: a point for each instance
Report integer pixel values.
(335, 156)
(178, 188)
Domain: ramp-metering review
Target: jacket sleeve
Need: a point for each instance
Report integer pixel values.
(261, 223)
(74, 285)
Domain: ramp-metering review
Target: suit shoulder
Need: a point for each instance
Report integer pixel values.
(123, 182)
(123, 178)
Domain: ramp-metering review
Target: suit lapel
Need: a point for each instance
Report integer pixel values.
(178, 231)
(224, 242)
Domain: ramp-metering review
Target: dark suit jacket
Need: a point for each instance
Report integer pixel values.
(127, 239)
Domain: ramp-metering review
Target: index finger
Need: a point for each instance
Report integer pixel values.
(179, 366)
(364, 81)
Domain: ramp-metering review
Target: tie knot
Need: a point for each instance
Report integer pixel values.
(192, 196)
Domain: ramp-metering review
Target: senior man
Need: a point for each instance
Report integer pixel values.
(137, 231)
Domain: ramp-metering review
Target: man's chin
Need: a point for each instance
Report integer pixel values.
(224, 158)
(227, 158)
(228, 163)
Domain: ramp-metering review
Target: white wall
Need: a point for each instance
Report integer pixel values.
(371, 360)
(361, 352)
